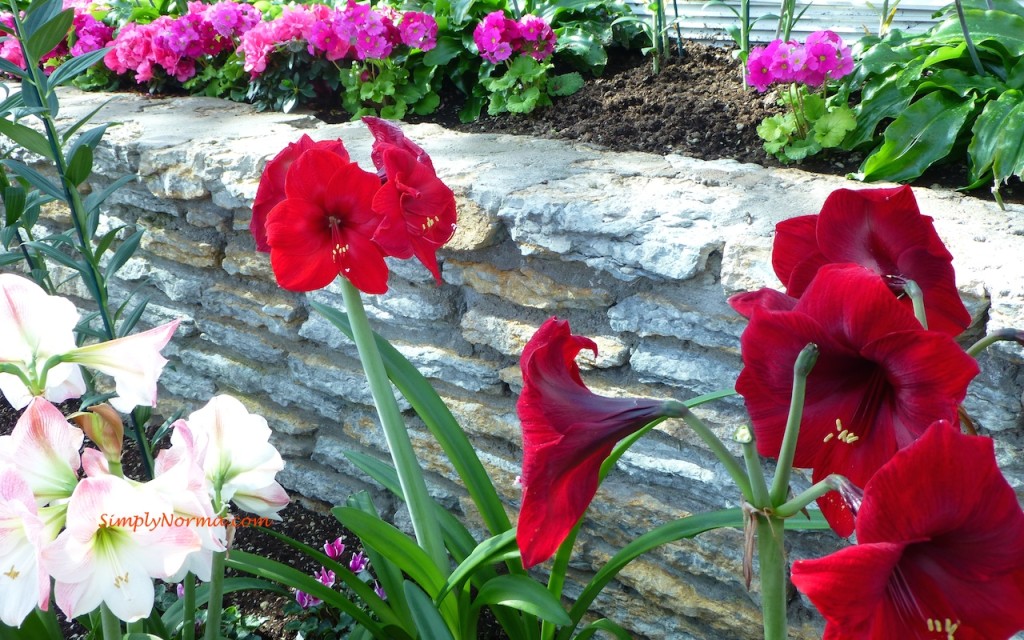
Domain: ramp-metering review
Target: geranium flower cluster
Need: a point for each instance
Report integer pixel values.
(497, 37)
(356, 32)
(823, 56)
(103, 538)
(320, 215)
(176, 44)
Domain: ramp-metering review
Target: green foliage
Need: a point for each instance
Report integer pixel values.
(923, 99)
(520, 89)
(388, 88)
(811, 124)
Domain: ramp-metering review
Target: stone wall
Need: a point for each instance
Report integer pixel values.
(638, 251)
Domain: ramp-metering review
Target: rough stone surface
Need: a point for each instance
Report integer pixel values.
(637, 251)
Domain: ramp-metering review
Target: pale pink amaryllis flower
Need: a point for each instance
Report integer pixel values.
(180, 479)
(42, 358)
(133, 361)
(24, 583)
(44, 447)
(35, 327)
(118, 537)
(239, 460)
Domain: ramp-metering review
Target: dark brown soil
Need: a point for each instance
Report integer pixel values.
(696, 106)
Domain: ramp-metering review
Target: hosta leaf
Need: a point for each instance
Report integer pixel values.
(1000, 26)
(998, 142)
(922, 135)
(961, 83)
(886, 99)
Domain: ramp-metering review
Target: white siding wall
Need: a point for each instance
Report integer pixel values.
(848, 18)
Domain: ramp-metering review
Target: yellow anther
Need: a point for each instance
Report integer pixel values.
(13, 573)
(121, 580)
(829, 437)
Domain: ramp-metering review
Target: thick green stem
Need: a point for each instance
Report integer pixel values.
(109, 623)
(1011, 335)
(800, 502)
(758, 484)
(215, 606)
(556, 581)
(801, 369)
(188, 621)
(410, 476)
(772, 560)
(917, 298)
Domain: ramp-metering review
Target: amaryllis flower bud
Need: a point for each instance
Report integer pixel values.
(568, 431)
(104, 427)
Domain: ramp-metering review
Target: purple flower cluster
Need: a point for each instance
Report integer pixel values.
(357, 563)
(90, 34)
(497, 37)
(822, 57)
(357, 32)
(175, 44)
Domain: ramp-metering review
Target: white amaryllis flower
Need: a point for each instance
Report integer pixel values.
(44, 447)
(117, 538)
(24, 584)
(239, 460)
(37, 327)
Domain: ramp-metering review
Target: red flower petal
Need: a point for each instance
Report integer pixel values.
(271, 188)
(388, 135)
(940, 549)
(322, 229)
(879, 380)
(568, 431)
(881, 230)
(770, 299)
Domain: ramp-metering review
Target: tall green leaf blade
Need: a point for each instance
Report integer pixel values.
(525, 594)
(670, 532)
(69, 70)
(428, 621)
(36, 179)
(26, 137)
(486, 553)
(124, 252)
(96, 198)
(38, 625)
(39, 13)
(439, 420)
(387, 572)
(603, 624)
(9, 67)
(50, 34)
(922, 135)
(988, 133)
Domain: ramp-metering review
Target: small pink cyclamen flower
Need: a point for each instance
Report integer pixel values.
(305, 600)
(334, 549)
(358, 563)
(326, 577)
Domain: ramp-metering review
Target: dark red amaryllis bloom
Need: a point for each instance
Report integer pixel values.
(417, 209)
(568, 431)
(882, 230)
(879, 381)
(271, 188)
(323, 227)
(939, 553)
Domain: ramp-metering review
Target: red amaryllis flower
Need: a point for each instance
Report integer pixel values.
(939, 553)
(324, 226)
(271, 189)
(882, 230)
(418, 209)
(879, 381)
(568, 431)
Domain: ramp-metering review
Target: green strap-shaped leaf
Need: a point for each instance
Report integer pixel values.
(281, 573)
(50, 34)
(525, 594)
(604, 624)
(439, 420)
(28, 138)
(123, 253)
(428, 621)
(1000, 26)
(35, 178)
(172, 618)
(670, 532)
(922, 135)
(998, 142)
(72, 68)
(39, 625)
(961, 83)
(488, 552)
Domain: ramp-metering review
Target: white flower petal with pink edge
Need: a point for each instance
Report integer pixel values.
(36, 326)
(44, 447)
(181, 480)
(24, 584)
(118, 537)
(134, 362)
(239, 458)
